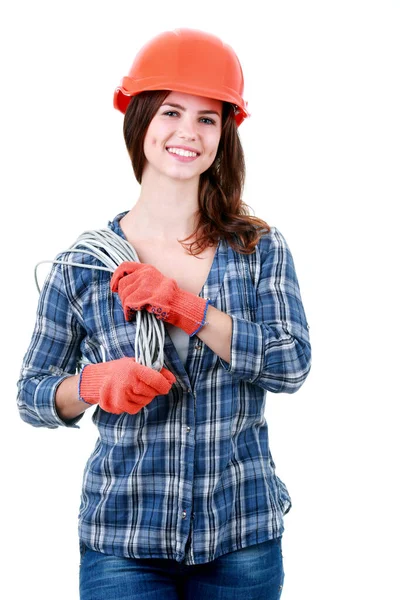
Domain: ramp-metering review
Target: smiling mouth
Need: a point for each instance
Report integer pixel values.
(182, 152)
(183, 156)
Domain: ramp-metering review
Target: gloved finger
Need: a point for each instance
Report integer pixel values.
(135, 401)
(136, 287)
(159, 381)
(141, 390)
(125, 268)
(132, 299)
(146, 278)
(134, 406)
(170, 377)
(165, 383)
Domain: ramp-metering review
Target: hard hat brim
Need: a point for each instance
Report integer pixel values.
(130, 87)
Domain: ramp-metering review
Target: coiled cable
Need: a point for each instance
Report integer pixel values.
(111, 250)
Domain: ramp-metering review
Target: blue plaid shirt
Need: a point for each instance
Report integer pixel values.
(190, 477)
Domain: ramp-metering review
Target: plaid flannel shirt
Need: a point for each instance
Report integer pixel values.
(191, 476)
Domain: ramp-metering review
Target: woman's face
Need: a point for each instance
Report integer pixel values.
(182, 139)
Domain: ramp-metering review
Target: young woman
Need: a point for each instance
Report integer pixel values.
(180, 495)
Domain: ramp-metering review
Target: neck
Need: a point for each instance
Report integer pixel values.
(166, 209)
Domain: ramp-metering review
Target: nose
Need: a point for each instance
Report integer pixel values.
(187, 128)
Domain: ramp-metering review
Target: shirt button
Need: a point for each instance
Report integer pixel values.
(184, 514)
(197, 347)
(188, 428)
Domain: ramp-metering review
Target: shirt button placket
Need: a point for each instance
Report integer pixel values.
(185, 511)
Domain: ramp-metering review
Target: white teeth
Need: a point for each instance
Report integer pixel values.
(181, 152)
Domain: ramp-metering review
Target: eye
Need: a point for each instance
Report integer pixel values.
(210, 121)
(205, 120)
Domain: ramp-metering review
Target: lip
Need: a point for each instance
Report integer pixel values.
(183, 148)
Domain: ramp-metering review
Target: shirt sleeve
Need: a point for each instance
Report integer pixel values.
(52, 355)
(273, 352)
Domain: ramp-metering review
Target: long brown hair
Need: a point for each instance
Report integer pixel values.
(222, 213)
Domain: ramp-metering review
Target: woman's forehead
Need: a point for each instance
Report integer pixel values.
(193, 101)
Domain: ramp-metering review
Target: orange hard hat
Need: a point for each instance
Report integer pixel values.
(189, 61)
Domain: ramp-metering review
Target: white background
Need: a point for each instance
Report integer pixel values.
(322, 148)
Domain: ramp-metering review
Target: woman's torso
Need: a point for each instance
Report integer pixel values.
(208, 436)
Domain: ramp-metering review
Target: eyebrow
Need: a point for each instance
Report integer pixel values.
(200, 112)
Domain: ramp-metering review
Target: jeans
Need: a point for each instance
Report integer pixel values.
(252, 573)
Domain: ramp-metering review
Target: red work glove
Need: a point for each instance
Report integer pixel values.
(142, 286)
(123, 385)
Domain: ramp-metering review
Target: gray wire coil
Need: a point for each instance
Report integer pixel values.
(111, 250)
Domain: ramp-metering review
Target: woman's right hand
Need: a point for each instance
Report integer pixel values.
(123, 385)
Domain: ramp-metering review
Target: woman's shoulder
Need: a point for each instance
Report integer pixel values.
(81, 260)
(95, 247)
(272, 240)
(77, 263)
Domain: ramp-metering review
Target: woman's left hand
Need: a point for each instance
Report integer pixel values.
(142, 286)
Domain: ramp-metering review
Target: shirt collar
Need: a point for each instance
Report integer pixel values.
(115, 226)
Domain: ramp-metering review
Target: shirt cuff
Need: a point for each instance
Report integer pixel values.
(45, 404)
(247, 350)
